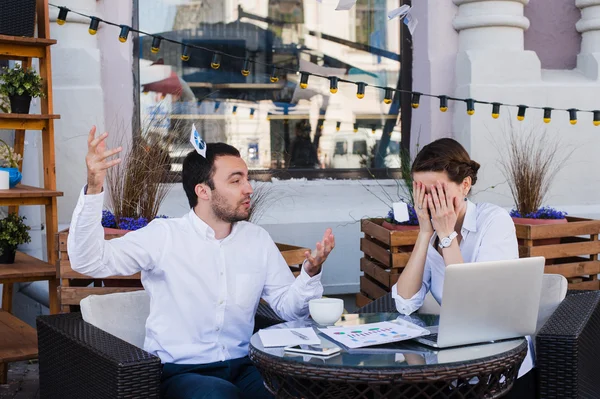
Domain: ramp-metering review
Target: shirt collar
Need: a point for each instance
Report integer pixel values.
(470, 222)
(204, 230)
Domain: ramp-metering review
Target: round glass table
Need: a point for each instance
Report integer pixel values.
(399, 370)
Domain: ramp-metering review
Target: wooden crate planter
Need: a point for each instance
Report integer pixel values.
(386, 252)
(575, 257)
(76, 286)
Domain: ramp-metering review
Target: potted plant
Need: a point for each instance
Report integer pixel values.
(530, 164)
(9, 162)
(20, 85)
(13, 232)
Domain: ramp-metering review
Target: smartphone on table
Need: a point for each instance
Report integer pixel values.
(316, 350)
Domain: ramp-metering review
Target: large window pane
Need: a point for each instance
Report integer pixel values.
(274, 124)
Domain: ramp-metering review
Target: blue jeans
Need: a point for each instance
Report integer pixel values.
(235, 378)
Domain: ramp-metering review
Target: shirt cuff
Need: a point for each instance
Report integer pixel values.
(90, 205)
(308, 280)
(408, 306)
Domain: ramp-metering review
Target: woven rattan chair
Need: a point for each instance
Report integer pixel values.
(567, 349)
(78, 360)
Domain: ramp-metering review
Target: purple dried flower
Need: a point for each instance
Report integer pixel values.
(108, 219)
(412, 217)
(545, 212)
(125, 223)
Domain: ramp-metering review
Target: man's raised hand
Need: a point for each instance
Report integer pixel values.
(97, 161)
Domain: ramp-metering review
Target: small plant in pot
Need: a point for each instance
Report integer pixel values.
(20, 86)
(13, 232)
(530, 164)
(9, 162)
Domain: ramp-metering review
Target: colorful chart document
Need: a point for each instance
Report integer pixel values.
(374, 333)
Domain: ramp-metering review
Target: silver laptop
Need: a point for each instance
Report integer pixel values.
(488, 301)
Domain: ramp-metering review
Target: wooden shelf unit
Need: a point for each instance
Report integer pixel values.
(18, 341)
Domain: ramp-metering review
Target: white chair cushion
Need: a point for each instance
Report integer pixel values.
(554, 290)
(122, 314)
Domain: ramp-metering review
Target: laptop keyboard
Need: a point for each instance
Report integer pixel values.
(431, 337)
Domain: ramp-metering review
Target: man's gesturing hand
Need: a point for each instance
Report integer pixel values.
(97, 161)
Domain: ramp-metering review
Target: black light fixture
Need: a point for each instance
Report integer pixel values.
(387, 98)
(246, 67)
(216, 61)
(62, 15)
(304, 80)
(155, 44)
(124, 33)
(496, 110)
(443, 103)
(185, 53)
(94, 22)
(333, 84)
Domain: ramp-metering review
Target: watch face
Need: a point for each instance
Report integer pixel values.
(446, 242)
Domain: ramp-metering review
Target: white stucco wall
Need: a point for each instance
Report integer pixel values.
(492, 65)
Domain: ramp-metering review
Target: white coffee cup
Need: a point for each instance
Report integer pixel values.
(326, 311)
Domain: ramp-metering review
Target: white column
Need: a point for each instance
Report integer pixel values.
(490, 42)
(78, 98)
(435, 44)
(588, 60)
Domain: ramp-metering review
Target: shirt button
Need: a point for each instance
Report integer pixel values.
(220, 302)
(218, 329)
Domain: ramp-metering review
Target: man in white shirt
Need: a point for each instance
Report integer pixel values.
(205, 272)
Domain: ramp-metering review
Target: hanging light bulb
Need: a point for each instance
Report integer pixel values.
(496, 110)
(337, 126)
(62, 15)
(387, 98)
(274, 78)
(355, 127)
(373, 129)
(414, 101)
(470, 106)
(155, 44)
(252, 113)
(573, 116)
(521, 112)
(304, 80)
(547, 115)
(124, 33)
(217, 105)
(216, 61)
(246, 67)
(333, 84)
(185, 53)
(234, 110)
(443, 103)
(596, 118)
(268, 116)
(94, 22)
(360, 90)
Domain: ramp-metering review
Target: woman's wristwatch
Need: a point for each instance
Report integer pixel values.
(447, 241)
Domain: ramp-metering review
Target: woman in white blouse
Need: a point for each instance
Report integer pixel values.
(452, 229)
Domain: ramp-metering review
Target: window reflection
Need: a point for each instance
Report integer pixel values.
(275, 125)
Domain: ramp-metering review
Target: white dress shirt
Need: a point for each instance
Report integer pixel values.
(203, 292)
(488, 234)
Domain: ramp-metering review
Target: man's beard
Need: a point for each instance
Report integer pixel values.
(226, 213)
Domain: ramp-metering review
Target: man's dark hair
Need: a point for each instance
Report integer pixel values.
(199, 170)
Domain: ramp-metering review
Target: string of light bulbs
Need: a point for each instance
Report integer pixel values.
(334, 81)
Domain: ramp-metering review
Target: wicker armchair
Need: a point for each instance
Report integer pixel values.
(567, 349)
(78, 360)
